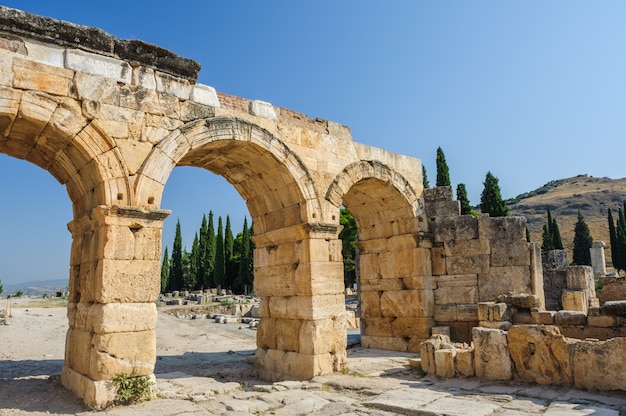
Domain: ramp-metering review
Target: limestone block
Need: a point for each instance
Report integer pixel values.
(115, 69)
(122, 352)
(427, 351)
(601, 321)
(467, 313)
(383, 285)
(322, 336)
(457, 280)
(463, 227)
(78, 348)
(478, 264)
(143, 77)
(541, 354)
(46, 53)
(509, 253)
(29, 75)
(574, 301)
(444, 363)
(417, 282)
(370, 304)
(384, 343)
(77, 314)
(204, 94)
(590, 356)
(304, 366)
(412, 327)
(275, 280)
(192, 111)
(614, 308)
(6, 73)
(441, 330)
(445, 313)
(368, 262)
(546, 317)
(466, 248)
(94, 88)
(442, 209)
(503, 280)
(287, 334)
(397, 243)
(262, 109)
(503, 325)
(319, 278)
(570, 318)
(173, 86)
(406, 303)
(9, 104)
(438, 259)
(122, 317)
(580, 278)
(380, 327)
(405, 262)
(483, 310)
(536, 274)
(307, 307)
(500, 228)
(133, 281)
(491, 354)
(520, 300)
(456, 294)
(266, 335)
(554, 260)
(464, 362)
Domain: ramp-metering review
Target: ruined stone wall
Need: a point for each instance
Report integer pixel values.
(530, 353)
(477, 260)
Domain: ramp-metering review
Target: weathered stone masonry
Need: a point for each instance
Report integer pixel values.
(110, 119)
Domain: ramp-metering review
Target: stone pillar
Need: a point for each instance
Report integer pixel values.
(397, 295)
(114, 281)
(298, 273)
(597, 258)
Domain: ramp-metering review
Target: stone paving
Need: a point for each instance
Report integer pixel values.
(376, 383)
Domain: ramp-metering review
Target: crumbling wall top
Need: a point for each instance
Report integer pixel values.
(96, 40)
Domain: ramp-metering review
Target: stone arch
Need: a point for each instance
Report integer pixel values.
(55, 136)
(395, 273)
(376, 195)
(277, 187)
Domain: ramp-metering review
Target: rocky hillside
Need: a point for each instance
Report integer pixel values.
(565, 197)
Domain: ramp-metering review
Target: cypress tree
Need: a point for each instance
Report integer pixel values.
(612, 236)
(619, 262)
(209, 260)
(176, 267)
(582, 242)
(219, 268)
(490, 200)
(245, 276)
(192, 278)
(229, 255)
(165, 271)
(443, 173)
(425, 182)
(461, 195)
(202, 253)
(556, 236)
(551, 234)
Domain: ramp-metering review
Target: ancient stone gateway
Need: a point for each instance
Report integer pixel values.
(110, 119)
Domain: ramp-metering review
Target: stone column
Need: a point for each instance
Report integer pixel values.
(299, 277)
(597, 258)
(397, 293)
(114, 282)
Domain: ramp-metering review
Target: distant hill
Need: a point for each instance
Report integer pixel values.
(35, 288)
(565, 197)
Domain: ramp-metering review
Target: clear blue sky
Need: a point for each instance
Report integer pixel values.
(530, 90)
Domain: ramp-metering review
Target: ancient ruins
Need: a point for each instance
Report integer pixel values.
(110, 119)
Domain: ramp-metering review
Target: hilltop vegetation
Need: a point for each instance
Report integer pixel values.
(565, 197)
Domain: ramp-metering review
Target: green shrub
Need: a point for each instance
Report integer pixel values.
(132, 389)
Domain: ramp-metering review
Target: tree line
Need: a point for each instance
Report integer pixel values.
(216, 260)
(492, 203)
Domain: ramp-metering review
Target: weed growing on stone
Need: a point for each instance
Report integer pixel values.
(132, 389)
